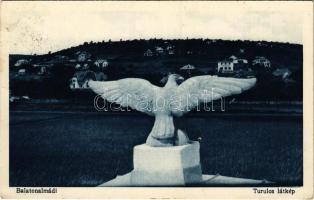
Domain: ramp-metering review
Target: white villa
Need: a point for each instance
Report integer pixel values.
(231, 64)
(225, 66)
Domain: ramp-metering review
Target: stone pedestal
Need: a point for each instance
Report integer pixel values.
(173, 166)
(166, 166)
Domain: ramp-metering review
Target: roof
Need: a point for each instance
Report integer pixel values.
(159, 48)
(233, 57)
(243, 60)
(188, 66)
(261, 58)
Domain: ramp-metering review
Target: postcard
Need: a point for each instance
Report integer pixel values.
(156, 99)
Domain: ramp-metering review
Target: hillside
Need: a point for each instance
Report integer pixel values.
(49, 75)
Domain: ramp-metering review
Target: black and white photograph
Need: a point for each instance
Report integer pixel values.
(194, 95)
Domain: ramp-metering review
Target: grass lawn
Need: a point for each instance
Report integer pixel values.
(87, 149)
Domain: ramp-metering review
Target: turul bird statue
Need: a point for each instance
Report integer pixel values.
(170, 101)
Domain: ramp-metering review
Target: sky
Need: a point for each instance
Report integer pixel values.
(39, 27)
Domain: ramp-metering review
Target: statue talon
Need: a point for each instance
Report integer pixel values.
(180, 139)
(155, 142)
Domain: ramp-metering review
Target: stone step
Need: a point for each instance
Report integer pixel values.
(208, 180)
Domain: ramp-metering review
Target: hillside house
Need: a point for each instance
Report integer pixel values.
(159, 50)
(101, 63)
(241, 63)
(78, 66)
(22, 72)
(74, 83)
(170, 50)
(225, 66)
(21, 62)
(85, 66)
(231, 64)
(83, 56)
(188, 68)
(43, 70)
(148, 53)
(261, 61)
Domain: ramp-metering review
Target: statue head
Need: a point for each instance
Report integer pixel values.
(174, 77)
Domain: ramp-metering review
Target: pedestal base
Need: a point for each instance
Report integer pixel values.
(176, 165)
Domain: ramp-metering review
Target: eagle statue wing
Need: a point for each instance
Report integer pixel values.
(129, 92)
(204, 89)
